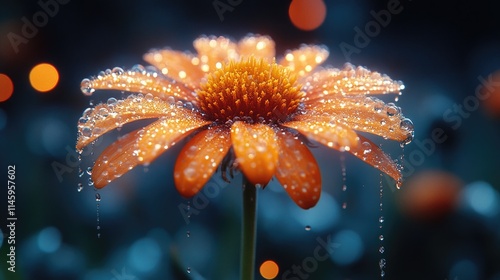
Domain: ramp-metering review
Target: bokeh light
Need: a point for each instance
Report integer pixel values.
(49, 240)
(269, 269)
(6, 87)
(307, 14)
(431, 195)
(144, 255)
(44, 77)
(482, 198)
(491, 91)
(348, 247)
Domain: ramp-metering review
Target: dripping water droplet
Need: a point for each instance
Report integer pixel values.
(381, 249)
(381, 237)
(188, 234)
(188, 270)
(344, 205)
(307, 228)
(80, 187)
(381, 219)
(97, 197)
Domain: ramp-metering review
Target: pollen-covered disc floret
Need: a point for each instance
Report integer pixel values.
(252, 90)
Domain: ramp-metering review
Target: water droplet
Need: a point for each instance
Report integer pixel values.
(80, 187)
(344, 188)
(188, 234)
(86, 131)
(188, 270)
(117, 71)
(98, 235)
(344, 205)
(391, 109)
(89, 170)
(112, 101)
(381, 249)
(381, 237)
(381, 219)
(149, 97)
(80, 172)
(307, 228)
(97, 197)
(367, 147)
(138, 68)
(382, 263)
(90, 182)
(86, 87)
(82, 121)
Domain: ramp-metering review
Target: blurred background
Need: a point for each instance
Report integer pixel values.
(444, 223)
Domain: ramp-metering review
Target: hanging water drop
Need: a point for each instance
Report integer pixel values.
(188, 234)
(307, 228)
(391, 109)
(97, 197)
(381, 237)
(381, 219)
(90, 182)
(80, 187)
(381, 249)
(89, 170)
(188, 270)
(80, 172)
(344, 205)
(86, 87)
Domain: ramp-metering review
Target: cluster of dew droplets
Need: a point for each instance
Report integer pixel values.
(382, 261)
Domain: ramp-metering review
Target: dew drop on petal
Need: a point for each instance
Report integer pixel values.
(86, 131)
(86, 87)
(117, 71)
(367, 147)
(112, 101)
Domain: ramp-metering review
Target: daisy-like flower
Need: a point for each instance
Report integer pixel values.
(241, 108)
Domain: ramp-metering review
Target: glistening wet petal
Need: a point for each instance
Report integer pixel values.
(199, 159)
(298, 171)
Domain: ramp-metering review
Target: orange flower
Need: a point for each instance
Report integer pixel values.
(236, 102)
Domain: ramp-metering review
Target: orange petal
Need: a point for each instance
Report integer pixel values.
(256, 149)
(105, 117)
(138, 80)
(366, 114)
(213, 52)
(305, 59)
(298, 171)
(370, 153)
(163, 134)
(116, 160)
(199, 159)
(350, 80)
(333, 135)
(182, 67)
(257, 46)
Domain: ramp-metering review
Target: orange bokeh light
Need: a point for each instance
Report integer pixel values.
(6, 87)
(269, 269)
(490, 92)
(44, 77)
(307, 14)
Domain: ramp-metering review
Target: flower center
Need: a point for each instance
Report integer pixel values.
(252, 90)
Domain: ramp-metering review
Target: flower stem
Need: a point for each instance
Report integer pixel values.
(248, 230)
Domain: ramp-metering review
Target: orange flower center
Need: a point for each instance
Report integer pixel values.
(251, 90)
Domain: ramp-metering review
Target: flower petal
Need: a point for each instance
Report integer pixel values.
(371, 153)
(105, 117)
(213, 52)
(305, 59)
(298, 171)
(331, 134)
(116, 160)
(199, 159)
(182, 67)
(165, 133)
(256, 149)
(257, 46)
(350, 80)
(138, 79)
(366, 114)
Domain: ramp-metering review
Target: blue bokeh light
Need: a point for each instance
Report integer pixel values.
(144, 255)
(482, 198)
(49, 240)
(349, 247)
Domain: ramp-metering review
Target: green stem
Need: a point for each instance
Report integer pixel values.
(248, 230)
